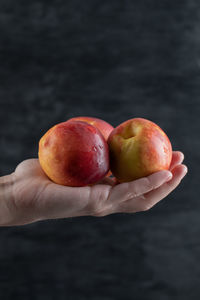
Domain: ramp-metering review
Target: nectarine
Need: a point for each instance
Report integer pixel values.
(74, 153)
(102, 125)
(138, 148)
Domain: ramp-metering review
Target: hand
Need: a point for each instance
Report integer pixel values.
(35, 197)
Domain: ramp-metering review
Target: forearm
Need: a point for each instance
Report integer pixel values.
(6, 199)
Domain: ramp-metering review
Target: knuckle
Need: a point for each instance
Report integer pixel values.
(131, 194)
(147, 183)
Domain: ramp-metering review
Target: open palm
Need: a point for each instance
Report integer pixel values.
(36, 197)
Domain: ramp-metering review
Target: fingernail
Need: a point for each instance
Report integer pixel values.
(169, 176)
(185, 170)
(182, 156)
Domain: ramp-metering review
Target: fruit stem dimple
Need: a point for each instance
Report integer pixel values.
(130, 132)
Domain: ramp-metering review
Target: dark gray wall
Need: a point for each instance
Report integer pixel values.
(114, 60)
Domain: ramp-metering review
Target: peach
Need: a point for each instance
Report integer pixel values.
(74, 153)
(138, 147)
(102, 125)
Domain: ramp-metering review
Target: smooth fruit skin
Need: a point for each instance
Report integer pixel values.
(138, 147)
(102, 125)
(74, 153)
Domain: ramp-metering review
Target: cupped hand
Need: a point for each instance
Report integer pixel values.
(35, 197)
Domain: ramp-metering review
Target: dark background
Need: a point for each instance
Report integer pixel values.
(113, 60)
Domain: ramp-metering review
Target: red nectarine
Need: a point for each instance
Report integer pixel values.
(74, 153)
(102, 125)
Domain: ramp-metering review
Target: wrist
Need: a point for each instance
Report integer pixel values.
(6, 199)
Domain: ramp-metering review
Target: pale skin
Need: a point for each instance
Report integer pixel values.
(28, 195)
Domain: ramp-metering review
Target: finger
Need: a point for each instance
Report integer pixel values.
(128, 190)
(151, 198)
(177, 159)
